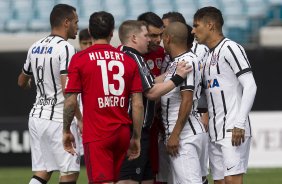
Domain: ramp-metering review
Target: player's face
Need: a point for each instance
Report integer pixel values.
(200, 31)
(165, 38)
(73, 27)
(84, 44)
(142, 40)
(155, 36)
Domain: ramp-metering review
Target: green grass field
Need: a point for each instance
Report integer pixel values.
(21, 175)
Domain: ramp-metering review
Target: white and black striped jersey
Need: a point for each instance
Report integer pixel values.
(47, 60)
(147, 83)
(171, 101)
(225, 63)
(201, 51)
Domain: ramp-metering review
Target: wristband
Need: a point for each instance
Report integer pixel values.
(177, 79)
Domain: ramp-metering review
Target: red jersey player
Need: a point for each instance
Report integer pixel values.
(106, 78)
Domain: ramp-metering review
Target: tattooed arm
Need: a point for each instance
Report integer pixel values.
(70, 107)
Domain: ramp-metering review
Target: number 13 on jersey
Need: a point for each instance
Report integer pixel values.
(108, 87)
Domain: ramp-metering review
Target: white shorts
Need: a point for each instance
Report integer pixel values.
(186, 167)
(204, 158)
(47, 151)
(227, 160)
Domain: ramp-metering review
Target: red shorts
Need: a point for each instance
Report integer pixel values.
(103, 159)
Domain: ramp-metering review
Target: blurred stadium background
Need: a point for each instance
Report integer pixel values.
(256, 24)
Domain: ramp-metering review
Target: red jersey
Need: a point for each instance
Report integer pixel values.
(154, 60)
(105, 77)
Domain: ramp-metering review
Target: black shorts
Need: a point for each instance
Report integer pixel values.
(139, 169)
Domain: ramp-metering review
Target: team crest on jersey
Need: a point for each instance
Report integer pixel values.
(214, 59)
(159, 62)
(145, 71)
(172, 68)
(150, 64)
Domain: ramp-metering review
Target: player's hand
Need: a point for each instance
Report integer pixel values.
(173, 145)
(69, 142)
(238, 136)
(183, 68)
(134, 149)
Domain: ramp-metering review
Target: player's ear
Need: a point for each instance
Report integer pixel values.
(133, 38)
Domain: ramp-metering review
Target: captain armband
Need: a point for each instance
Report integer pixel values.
(177, 79)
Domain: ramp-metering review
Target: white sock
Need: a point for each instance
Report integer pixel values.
(34, 180)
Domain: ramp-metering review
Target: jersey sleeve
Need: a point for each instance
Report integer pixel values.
(27, 65)
(67, 51)
(237, 59)
(73, 83)
(189, 82)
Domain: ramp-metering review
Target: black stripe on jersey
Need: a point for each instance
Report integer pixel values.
(243, 71)
(234, 56)
(244, 55)
(210, 64)
(250, 126)
(40, 111)
(141, 63)
(194, 73)
(44, 39)
(228, 63)
(67, 57)
(195, 49)
(32, 114)
(217, 66)
(225, 112)
(214, 115)
(166, 119)
(60, 41)
(55, 89)
(192, 127)
(200, 124)
(51, 39)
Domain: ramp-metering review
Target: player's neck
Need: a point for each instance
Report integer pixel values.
(176, 51)
(214, 40)
(60, 34)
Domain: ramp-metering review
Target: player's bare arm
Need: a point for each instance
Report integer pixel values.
(70, 106)
(24, 81)
(184, 111)
(162, 88)
(137, 118)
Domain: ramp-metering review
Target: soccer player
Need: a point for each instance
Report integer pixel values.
(230, 89)
(85, 40)
(185, 134)
(134, 38)
(178, 17)
(155, 55)
(106, 79)
(154, 59)
(47, 61)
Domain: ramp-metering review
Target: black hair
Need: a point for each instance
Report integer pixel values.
(101, 24)
(174, 17)
(59, 13)
(84, 35)
(151, 19)
(211, 13)
(190, 37)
